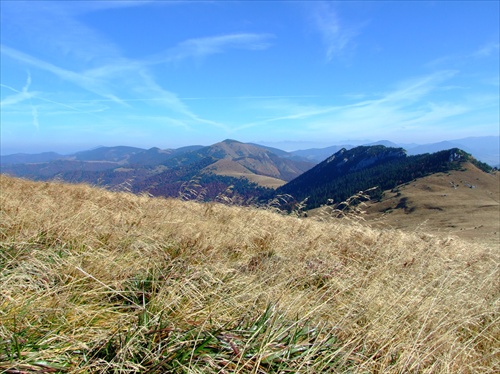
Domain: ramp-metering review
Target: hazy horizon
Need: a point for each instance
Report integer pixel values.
(288, 146)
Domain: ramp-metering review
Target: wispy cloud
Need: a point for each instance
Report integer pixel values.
(24, 95)
(55, 27)
(487, 50)
(28, 84)
(150, 89)
(85, 81)
(415, 89)
(414, 109)
(20, 96)
(408, 104)
(129, 76)
(17, 98)
(336, 34)
(34, 111)
(216, 44)
(484, 51)
(199, 48)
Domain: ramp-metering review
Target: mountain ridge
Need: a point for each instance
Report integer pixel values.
(163, 172)
(483, 148)
(347, 172)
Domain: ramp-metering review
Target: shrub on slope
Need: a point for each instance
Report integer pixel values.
(95, 281)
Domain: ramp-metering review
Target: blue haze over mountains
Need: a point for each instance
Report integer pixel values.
(485, 149)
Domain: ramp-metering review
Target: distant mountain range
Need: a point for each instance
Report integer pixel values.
(485, 149)
(245, 172)
(247, 168)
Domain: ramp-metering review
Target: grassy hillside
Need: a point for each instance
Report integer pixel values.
(95, 281)
(464, 202)
(233, 169)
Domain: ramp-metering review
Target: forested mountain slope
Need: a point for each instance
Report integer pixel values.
(349, 171)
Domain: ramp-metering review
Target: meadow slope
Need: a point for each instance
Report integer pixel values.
(96, 281)
(463, 203)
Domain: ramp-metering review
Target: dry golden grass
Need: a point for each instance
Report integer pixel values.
(445, 203)
(232, 168)
(95, 281)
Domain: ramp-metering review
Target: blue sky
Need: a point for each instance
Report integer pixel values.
(79, 74)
